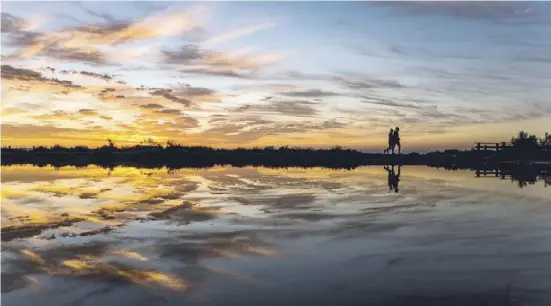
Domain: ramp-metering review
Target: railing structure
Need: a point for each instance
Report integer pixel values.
(491, 146)
(492, 173)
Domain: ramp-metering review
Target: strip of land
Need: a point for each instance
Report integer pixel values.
(523, 149)
(154, 157)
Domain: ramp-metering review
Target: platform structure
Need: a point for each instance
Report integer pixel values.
(500, 173)
(491, 146)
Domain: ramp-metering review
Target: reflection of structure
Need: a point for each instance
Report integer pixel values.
(492, 172)
(522, 175)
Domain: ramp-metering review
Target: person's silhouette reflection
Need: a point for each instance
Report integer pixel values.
(393, 178)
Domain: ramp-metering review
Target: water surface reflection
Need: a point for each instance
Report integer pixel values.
(256, 236)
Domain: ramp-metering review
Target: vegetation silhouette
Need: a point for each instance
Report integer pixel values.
(523, 148)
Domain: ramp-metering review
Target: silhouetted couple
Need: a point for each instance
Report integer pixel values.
(393, 178)
(393, 141)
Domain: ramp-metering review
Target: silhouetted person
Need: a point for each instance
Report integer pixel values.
(393, 178)
(390, 141)
(396, 140)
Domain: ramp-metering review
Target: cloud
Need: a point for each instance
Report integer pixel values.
(261, 87)
(105, 77)
(196, 94)
(243, 59)
(147, 119)
(503, 12)
(11, 23)
(59, 114)
(224, 72)
(290, 108)
(169, 111)
(106, 92)
(311, 93)
(186, 54)
(536, 58)
(156, 98)
(242, 108)
(14, 24)
(12, 111)
(366, 82)
(10, 73)
(36, 131)
(246, 129)
(167, 94)
(237, 33)
(102, 15)
(190, 59)
(165, 123)
(21, 74)
(152, 105)
(185, 94)
(88, 43)
(71, 116)
(188, 90)
(425, 117)
(89, 55)
(182, 122)
(353, 81)
(386, 102)
(88, 112)
(297, 75)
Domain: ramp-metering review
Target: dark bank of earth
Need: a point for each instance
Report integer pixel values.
(179, 157)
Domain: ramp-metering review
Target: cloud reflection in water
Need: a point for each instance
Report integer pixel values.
(192, 230)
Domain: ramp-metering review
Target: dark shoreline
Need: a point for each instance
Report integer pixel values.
(331, 159)
(523, 149)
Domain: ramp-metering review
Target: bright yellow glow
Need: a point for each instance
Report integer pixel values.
(138, 276)
(33, 256)
(130, 254)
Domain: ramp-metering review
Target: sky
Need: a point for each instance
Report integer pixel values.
(243, 74)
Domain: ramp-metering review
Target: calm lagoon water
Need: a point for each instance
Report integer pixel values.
(259, 236)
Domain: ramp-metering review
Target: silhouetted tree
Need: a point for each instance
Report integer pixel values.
(525, 141)
(172, 144)
(150, 142)
(545, 142)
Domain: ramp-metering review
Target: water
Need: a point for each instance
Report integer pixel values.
(258, 236)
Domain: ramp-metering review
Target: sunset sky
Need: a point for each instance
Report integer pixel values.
(241, 74)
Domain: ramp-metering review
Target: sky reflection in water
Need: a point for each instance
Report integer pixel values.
(247, 236)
